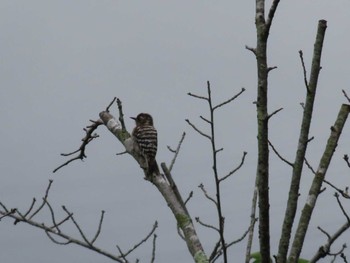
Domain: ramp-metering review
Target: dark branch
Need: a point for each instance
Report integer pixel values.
(346, 96)
(229, 100)
(207, 225)
(99, 228)
(196, 96)
(234, 170)
(341, 207)
(121, 114)
(85, 141)
(309, 166)
(273, 113)
(155, 225)
(177, 151)
(201, 186)
(346, 159)
(304, 70)
(110, 104)
(189, 197)
(44, 200)
(251, 49)
(345, 193)
(279, 156)
(197, 130)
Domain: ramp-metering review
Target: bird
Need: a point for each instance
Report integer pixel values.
(146, 139)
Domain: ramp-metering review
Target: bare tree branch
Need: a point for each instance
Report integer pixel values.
(99, 228)
(324, 250)
(85, 141)
(346, 159)
(207, 225)
(201, 186)
(234, 170)
(177, 151)
(229, 100)
(314, 191)
(197, 96)
(273, 113)
(44, 200)
(279, 156)
(304, 69)
(197, 130)
(346, 95)
(155, 225)
(251, 49)
(303, 140)
(341, 207)
(345, 193)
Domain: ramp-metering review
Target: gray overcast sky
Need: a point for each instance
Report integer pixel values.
(61, 63)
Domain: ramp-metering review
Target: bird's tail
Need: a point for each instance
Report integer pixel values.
(153, 167)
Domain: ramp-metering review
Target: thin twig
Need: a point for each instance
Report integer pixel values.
(341, 207)
(324, 232)
(229, 100)
(197, 130)
(110, 104)
(77, 226)
(309, 166)
(12, 211)
(85, 141)
(196, 96)
(205, 119)
(271, 68)
(345, 193)
(177, 151)
(99, 227)
(44, 200)
(52, 216)
(189, 197)
(201, 186)
(215, 252)
(240, 238)
(121, 114)
(154, 248)
(279, 156)
(304, 70)
(234, 170)
(155, 225)
(207, 225)
(273, 113)
(251, 49)
(346, 96)
(346, 159)
(56, 241)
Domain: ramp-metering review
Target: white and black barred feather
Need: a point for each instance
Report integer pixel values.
(145, 136)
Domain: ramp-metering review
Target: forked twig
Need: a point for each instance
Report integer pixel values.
(155, 225)
(90, 135)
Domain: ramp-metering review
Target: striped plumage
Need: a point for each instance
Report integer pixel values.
(145, 136)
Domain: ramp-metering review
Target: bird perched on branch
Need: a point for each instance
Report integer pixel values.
(145, 137)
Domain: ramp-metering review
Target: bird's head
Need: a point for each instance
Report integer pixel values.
(143, 119)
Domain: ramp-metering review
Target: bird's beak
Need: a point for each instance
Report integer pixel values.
(134, 118)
